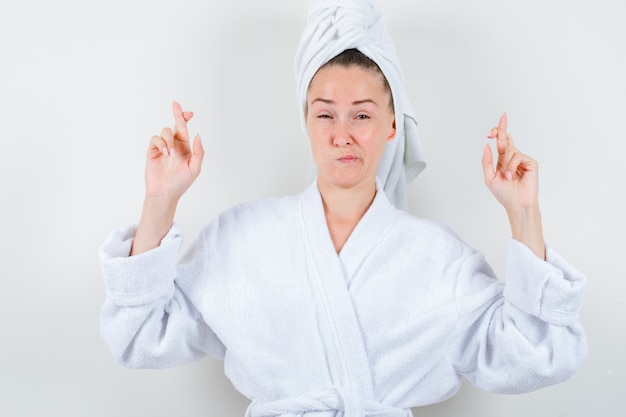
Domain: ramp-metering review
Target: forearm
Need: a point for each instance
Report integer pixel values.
(527, 228)
(156, 220)
(141, 337)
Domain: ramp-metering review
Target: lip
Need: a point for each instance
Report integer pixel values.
(346, 159)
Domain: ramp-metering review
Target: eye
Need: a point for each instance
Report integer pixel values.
(324, 116)
(362, 116)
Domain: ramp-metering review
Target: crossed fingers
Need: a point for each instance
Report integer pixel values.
(166, 143)
(509, 157)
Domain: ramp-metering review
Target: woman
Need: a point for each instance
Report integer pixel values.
(334, 300)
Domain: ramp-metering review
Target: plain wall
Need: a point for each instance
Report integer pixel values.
(84, 84)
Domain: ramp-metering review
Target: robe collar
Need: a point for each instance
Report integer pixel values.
(363, 239)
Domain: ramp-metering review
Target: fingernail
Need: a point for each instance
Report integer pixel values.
(164, 150)
(509, 175)
(172, 151)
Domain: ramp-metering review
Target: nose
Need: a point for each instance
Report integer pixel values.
(341, 134)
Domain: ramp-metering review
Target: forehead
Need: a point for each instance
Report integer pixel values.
(337, 79)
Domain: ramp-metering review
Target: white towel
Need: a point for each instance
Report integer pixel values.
(336, 25)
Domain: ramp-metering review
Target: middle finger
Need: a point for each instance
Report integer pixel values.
(180, 122)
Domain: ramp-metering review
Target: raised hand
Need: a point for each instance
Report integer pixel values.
(172, 165)
(514, 181)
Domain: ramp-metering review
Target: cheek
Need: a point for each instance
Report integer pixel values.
(314, 135)
(378, 142)
(313, 126)
(319, 132)
(315, 142)
(380, 149)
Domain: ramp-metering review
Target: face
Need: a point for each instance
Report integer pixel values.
(350, 120)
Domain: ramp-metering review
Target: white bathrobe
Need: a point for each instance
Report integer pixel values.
(396, 320)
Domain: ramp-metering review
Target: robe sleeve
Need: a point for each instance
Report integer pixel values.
(148, 319)
(523, 335)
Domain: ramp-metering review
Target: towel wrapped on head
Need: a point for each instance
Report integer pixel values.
(336, 25)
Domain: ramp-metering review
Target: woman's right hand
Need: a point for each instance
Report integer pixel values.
(172, 165)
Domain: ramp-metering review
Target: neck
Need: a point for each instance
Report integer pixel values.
(344, 208)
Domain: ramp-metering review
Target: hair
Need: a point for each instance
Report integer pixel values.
(356, 58)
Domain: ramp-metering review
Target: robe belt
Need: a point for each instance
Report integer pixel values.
(325, 404)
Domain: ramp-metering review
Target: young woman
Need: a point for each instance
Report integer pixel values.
(334, 300)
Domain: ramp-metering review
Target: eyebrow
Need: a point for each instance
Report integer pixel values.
(354, 103)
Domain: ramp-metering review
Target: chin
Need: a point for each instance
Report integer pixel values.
(345, 181)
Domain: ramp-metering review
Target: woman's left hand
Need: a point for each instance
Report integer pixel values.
(515, 183)
(515, 180)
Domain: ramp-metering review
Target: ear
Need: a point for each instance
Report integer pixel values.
(392, 133)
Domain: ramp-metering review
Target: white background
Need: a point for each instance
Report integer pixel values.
(84, 84)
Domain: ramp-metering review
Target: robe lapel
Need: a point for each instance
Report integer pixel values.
(330, 275)
(367, 234)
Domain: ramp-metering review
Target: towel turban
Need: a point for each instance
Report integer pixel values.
(336, 25)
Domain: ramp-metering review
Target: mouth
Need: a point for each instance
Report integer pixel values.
(346, 159)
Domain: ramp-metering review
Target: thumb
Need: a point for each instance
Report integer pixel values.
(487, 163)
(197, 155)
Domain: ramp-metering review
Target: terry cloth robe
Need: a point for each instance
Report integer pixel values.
(396, 320)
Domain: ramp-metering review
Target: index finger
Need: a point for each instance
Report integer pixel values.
(180, 122)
